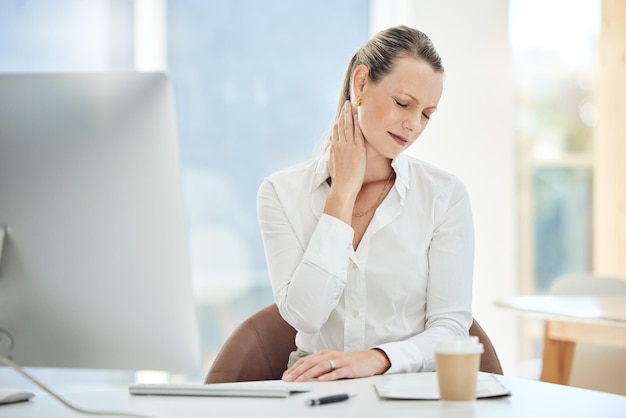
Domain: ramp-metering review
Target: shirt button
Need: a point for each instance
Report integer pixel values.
(355, 313)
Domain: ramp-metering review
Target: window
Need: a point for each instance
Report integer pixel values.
(256, 85)
(554, 54)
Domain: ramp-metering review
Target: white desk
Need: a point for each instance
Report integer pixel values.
(570, 319)
(529, 399)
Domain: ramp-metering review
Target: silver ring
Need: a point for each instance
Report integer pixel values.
(332, 365)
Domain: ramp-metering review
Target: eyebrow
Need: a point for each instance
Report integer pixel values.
(415, 99)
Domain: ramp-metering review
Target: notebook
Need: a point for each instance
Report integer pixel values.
(423, 386)
(265, 389)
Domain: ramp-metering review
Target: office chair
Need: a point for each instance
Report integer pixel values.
(587, 284)
(259, 350)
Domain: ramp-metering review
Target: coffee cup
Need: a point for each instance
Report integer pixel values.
(457, 361)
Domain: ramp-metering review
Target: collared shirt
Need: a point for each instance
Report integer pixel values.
(408, 283)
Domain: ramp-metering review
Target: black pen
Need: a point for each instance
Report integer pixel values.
(329, 399)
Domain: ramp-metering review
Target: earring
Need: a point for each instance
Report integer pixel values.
(358, 101)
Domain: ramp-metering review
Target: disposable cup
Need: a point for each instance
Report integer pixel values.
(457, 362)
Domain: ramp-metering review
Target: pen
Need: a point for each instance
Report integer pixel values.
(329, 399)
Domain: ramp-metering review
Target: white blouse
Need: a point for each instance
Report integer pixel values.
(408, 283)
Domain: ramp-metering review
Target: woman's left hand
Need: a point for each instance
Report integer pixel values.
(333, 365)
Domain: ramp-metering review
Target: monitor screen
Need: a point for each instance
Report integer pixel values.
(94, 264)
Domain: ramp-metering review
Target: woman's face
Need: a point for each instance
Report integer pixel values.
(395, 110)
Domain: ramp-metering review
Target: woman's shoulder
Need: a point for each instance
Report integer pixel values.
(432, 182)
(428, 172)
(294, 176)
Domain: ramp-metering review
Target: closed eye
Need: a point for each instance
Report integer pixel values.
(400, 104)
(426, 116)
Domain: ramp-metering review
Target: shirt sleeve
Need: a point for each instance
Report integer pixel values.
(449, 293)
(307, 278)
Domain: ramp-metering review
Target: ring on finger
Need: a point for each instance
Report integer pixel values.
(333, 366)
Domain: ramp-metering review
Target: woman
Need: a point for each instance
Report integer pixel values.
(370, 251)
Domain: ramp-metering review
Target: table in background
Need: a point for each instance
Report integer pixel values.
(597, 320)
(529, 399)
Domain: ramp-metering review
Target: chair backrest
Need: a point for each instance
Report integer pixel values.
(259, 348)
(587, 284)
(489, 361)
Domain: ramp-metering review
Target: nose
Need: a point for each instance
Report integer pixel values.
(412, 124)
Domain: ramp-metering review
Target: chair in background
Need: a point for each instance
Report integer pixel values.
(594, 367)
(259, 348)
(587, 284)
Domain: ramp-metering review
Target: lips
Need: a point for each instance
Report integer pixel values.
(399, 139)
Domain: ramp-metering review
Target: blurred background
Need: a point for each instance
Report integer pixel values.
(256, 85)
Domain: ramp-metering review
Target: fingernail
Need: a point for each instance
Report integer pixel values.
(287, 377)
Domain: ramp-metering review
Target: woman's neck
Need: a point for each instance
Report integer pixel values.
(377, 167)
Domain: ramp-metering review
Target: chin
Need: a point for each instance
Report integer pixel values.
(386, 151)
(392, 152)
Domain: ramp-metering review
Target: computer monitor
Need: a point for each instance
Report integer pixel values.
(94, 268)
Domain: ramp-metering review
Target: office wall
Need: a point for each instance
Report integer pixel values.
(471, 135)
(610, 145)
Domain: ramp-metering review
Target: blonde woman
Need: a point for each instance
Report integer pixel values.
(370, 251)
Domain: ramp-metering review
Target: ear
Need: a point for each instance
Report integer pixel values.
(360, 76)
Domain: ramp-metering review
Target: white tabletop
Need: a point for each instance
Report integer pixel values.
(528, 399)
(607, 310)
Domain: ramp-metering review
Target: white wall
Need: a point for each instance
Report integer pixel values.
(471, 135)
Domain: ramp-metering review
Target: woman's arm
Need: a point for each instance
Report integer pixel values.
(307, 277)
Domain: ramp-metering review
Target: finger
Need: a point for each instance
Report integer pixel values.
(334, 375)
(358, 134)
(341, 128)
(348, 121)
(296, 370)
(291, 374)
(316, 370)
(313, 366)
(302, 369)
(335, 136)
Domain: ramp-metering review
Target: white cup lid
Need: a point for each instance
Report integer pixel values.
(458, 345)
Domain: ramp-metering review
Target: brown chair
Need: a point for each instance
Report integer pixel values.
(489, 361)
(259, 350)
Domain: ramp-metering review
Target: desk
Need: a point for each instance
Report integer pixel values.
(570, 319)
(529, 399)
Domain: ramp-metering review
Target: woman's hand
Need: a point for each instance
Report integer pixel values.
(333, 365)
(346, 164)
